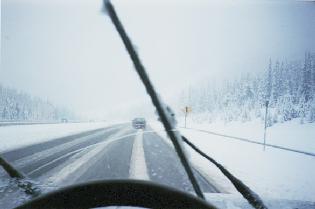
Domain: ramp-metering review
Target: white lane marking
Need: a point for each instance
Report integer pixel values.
(74, 152)
(49, 152)
(78, 166)
(138, 167)
(53, 161)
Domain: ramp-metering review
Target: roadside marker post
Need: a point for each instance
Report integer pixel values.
(266, 114)
(186, 111)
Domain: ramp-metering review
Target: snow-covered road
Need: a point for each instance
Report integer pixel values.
(121, 152)
(114, 152)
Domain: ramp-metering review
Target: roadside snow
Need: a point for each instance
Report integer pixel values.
(290, 134)
(274, 173)
(231, 201)
(12, 137)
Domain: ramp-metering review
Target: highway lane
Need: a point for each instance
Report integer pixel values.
(28, 150)
(164, 165)
(110, 153)
(114, 162)
(37, 159)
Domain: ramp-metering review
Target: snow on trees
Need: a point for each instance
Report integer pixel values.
(18, 106)
(288, 86)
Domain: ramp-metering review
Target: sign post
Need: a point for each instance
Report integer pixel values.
(266, 114)
(186, 111)
(185, 116)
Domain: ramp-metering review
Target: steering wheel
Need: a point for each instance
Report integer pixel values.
(104, 193)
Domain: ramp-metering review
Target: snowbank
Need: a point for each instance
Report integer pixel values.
(291, 134)
(273, 173)
(12, 137)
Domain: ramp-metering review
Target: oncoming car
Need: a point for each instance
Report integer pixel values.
(139, 123)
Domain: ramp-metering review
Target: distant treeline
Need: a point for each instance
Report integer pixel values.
(20, 106)
(289, 87)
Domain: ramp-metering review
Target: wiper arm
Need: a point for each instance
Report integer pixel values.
(165, 118)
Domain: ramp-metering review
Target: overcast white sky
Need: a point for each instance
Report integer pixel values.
(68, 51)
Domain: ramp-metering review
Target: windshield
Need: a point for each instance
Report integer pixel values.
(235, 80)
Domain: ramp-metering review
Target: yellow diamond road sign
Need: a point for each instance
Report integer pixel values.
(187, 109)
